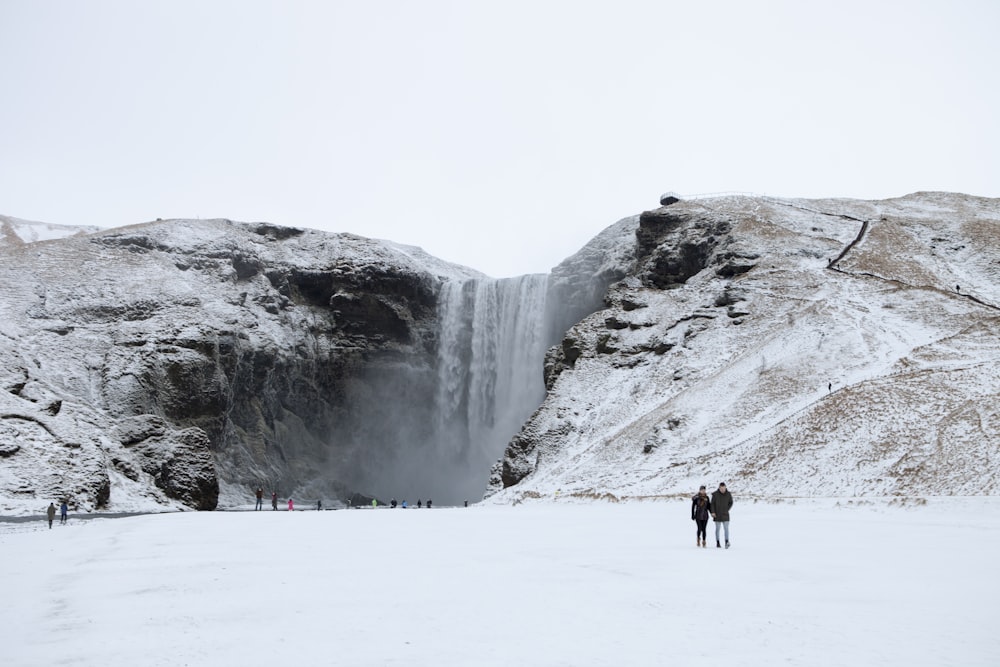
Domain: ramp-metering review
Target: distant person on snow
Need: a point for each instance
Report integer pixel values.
(274, 501)
(722, 502)
(699, 514)
(291, 505)
(419, 503)
(392, 503)
(429, 503)
(63, 511)
(260, 499)
(404, 504)
(319, 505)
(51, 511)
(374, 504)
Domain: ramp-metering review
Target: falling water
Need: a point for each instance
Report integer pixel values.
(419, 427)
(490, 355)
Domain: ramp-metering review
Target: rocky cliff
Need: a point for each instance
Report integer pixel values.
(145, 365)
(792, 347)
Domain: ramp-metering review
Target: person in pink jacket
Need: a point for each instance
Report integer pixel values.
(291, 505)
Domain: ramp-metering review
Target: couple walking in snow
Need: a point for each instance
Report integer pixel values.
(51, 512)
(717, 507)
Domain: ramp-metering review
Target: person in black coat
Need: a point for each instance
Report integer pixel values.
(699, 514)
(722, 502)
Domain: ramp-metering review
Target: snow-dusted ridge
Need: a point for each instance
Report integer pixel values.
(777, 367)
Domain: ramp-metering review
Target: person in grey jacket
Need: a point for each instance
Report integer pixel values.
(722, 502)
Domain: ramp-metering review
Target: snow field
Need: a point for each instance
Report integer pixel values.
(806, 583)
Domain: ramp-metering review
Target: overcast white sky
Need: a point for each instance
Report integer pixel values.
(501, 135)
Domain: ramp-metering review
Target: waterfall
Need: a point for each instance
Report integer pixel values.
(489, 365)
(432, 427)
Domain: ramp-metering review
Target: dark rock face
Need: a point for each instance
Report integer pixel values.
(560, 358)
(675, 244)
(660, 249)
(217, 351)
(272, 410)
(180, 462)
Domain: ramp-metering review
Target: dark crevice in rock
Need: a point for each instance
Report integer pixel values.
(275, 232)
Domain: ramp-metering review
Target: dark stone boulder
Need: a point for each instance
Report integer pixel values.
(188, 474)
(180, 462)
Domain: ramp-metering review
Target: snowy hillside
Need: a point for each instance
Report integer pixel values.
(813, 348)
(14, 231)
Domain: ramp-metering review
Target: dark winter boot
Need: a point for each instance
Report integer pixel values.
(717, 545)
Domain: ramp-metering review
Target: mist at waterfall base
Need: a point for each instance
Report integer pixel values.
(431, 428)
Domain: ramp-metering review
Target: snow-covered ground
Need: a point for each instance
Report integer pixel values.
(807, 582)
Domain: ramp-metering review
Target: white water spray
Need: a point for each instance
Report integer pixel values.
(490, 362)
